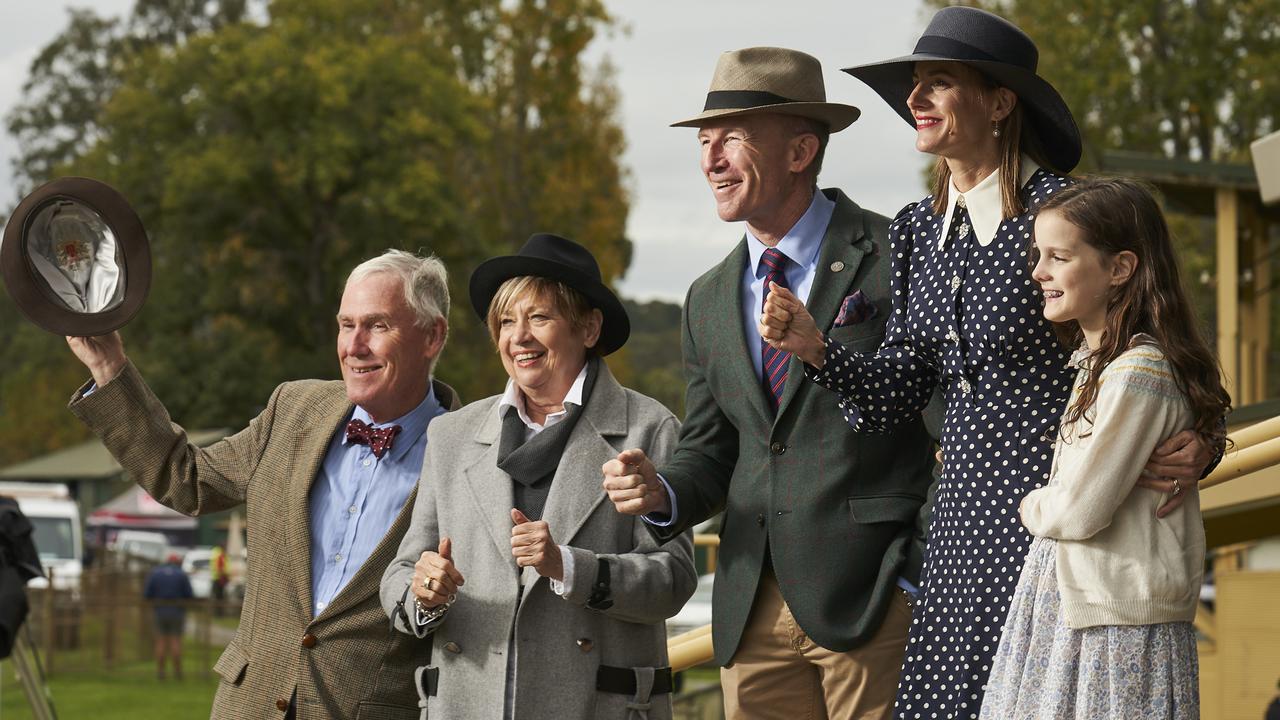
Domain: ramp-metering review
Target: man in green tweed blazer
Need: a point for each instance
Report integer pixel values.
(819, 539)
(327, 500)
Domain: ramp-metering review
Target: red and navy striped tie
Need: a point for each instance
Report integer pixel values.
(774, 367)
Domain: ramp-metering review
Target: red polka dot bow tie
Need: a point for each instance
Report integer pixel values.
(378, 439)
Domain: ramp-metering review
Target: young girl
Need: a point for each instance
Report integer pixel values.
(1100, 624)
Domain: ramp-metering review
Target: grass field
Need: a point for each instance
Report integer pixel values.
(128, 691)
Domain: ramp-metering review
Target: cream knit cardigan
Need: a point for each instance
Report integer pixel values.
(1117, 563)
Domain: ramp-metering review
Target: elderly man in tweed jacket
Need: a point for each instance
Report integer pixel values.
(327, 473)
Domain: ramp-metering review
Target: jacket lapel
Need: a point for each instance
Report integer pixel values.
(843, 243)
(313, 445)
(490, 488)
(727, 314)
(576, 490)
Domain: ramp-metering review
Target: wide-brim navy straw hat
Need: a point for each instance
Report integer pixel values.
(998, 49)
(555, 258)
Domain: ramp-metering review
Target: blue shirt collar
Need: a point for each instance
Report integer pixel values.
(412, 424)
(803, 241)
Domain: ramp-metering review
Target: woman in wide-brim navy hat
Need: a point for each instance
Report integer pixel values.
(967, 323)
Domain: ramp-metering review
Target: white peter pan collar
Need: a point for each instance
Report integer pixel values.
(986, 207)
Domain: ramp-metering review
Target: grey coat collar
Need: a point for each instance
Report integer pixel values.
(576, 488)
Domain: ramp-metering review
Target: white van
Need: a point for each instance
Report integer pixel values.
(58, 536)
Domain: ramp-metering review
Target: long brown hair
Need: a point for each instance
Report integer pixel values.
(1017, 138)
(1115, 215)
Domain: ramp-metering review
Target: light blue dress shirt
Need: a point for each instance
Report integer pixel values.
(802, 244)
(356, 497)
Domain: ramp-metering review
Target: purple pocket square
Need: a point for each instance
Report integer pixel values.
(855, 309)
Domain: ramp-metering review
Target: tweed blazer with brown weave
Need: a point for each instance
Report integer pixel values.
(353, 665)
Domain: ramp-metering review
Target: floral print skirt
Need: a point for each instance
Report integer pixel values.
(1044, 670)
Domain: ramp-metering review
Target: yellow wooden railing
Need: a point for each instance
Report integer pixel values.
(1253, 448)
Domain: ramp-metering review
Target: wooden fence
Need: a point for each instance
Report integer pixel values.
(106, 625)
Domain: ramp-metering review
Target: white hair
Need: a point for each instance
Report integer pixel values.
(424, 279)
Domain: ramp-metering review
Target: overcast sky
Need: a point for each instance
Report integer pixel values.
(665, 57)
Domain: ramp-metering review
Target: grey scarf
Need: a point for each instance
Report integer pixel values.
(532, 464)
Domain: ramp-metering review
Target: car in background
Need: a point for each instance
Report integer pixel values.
(198, 565)
(696, 612)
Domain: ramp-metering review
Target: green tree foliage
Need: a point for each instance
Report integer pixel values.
(650, 361)
(270, 148)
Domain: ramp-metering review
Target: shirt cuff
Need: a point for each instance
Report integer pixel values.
(658, 519)
(564, 587)
(93, 387)
(905, 584)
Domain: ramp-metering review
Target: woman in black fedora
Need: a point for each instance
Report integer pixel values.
(541, 600)
(967, 323)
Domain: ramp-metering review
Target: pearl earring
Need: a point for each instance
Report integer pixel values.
(995, 130)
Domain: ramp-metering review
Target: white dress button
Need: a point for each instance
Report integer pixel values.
(955, 282)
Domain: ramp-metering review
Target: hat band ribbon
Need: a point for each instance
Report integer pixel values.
(956, 50)
(741, 99)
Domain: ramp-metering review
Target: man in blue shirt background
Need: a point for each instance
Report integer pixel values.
(168, 582)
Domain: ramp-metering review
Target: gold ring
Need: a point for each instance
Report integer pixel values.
(426, 584)
(1177, 487)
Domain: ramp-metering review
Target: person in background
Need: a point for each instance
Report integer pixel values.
(218, 579)
(167, 587)
(1273, 710)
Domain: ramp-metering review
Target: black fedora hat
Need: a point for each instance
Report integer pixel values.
(998, 49)
(75, 258)
(555, 258)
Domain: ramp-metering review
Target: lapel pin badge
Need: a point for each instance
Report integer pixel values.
(837, 266)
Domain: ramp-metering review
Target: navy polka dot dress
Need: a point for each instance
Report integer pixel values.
(966, 318)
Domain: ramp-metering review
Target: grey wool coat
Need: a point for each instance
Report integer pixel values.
(356, 667)
(559, 642)
(840, 515)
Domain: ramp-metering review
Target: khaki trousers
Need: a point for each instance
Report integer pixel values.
(778, 672)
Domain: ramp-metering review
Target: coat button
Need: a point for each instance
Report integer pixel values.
(282, 705)
(777, 448)
(955, 282)
(308, 640)
(585, 644)
(452, 647)
(760, 519)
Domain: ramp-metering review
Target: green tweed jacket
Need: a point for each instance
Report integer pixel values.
(346, 662)
(838, 512)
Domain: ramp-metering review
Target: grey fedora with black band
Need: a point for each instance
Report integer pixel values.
(770, 80)
(998, 49)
